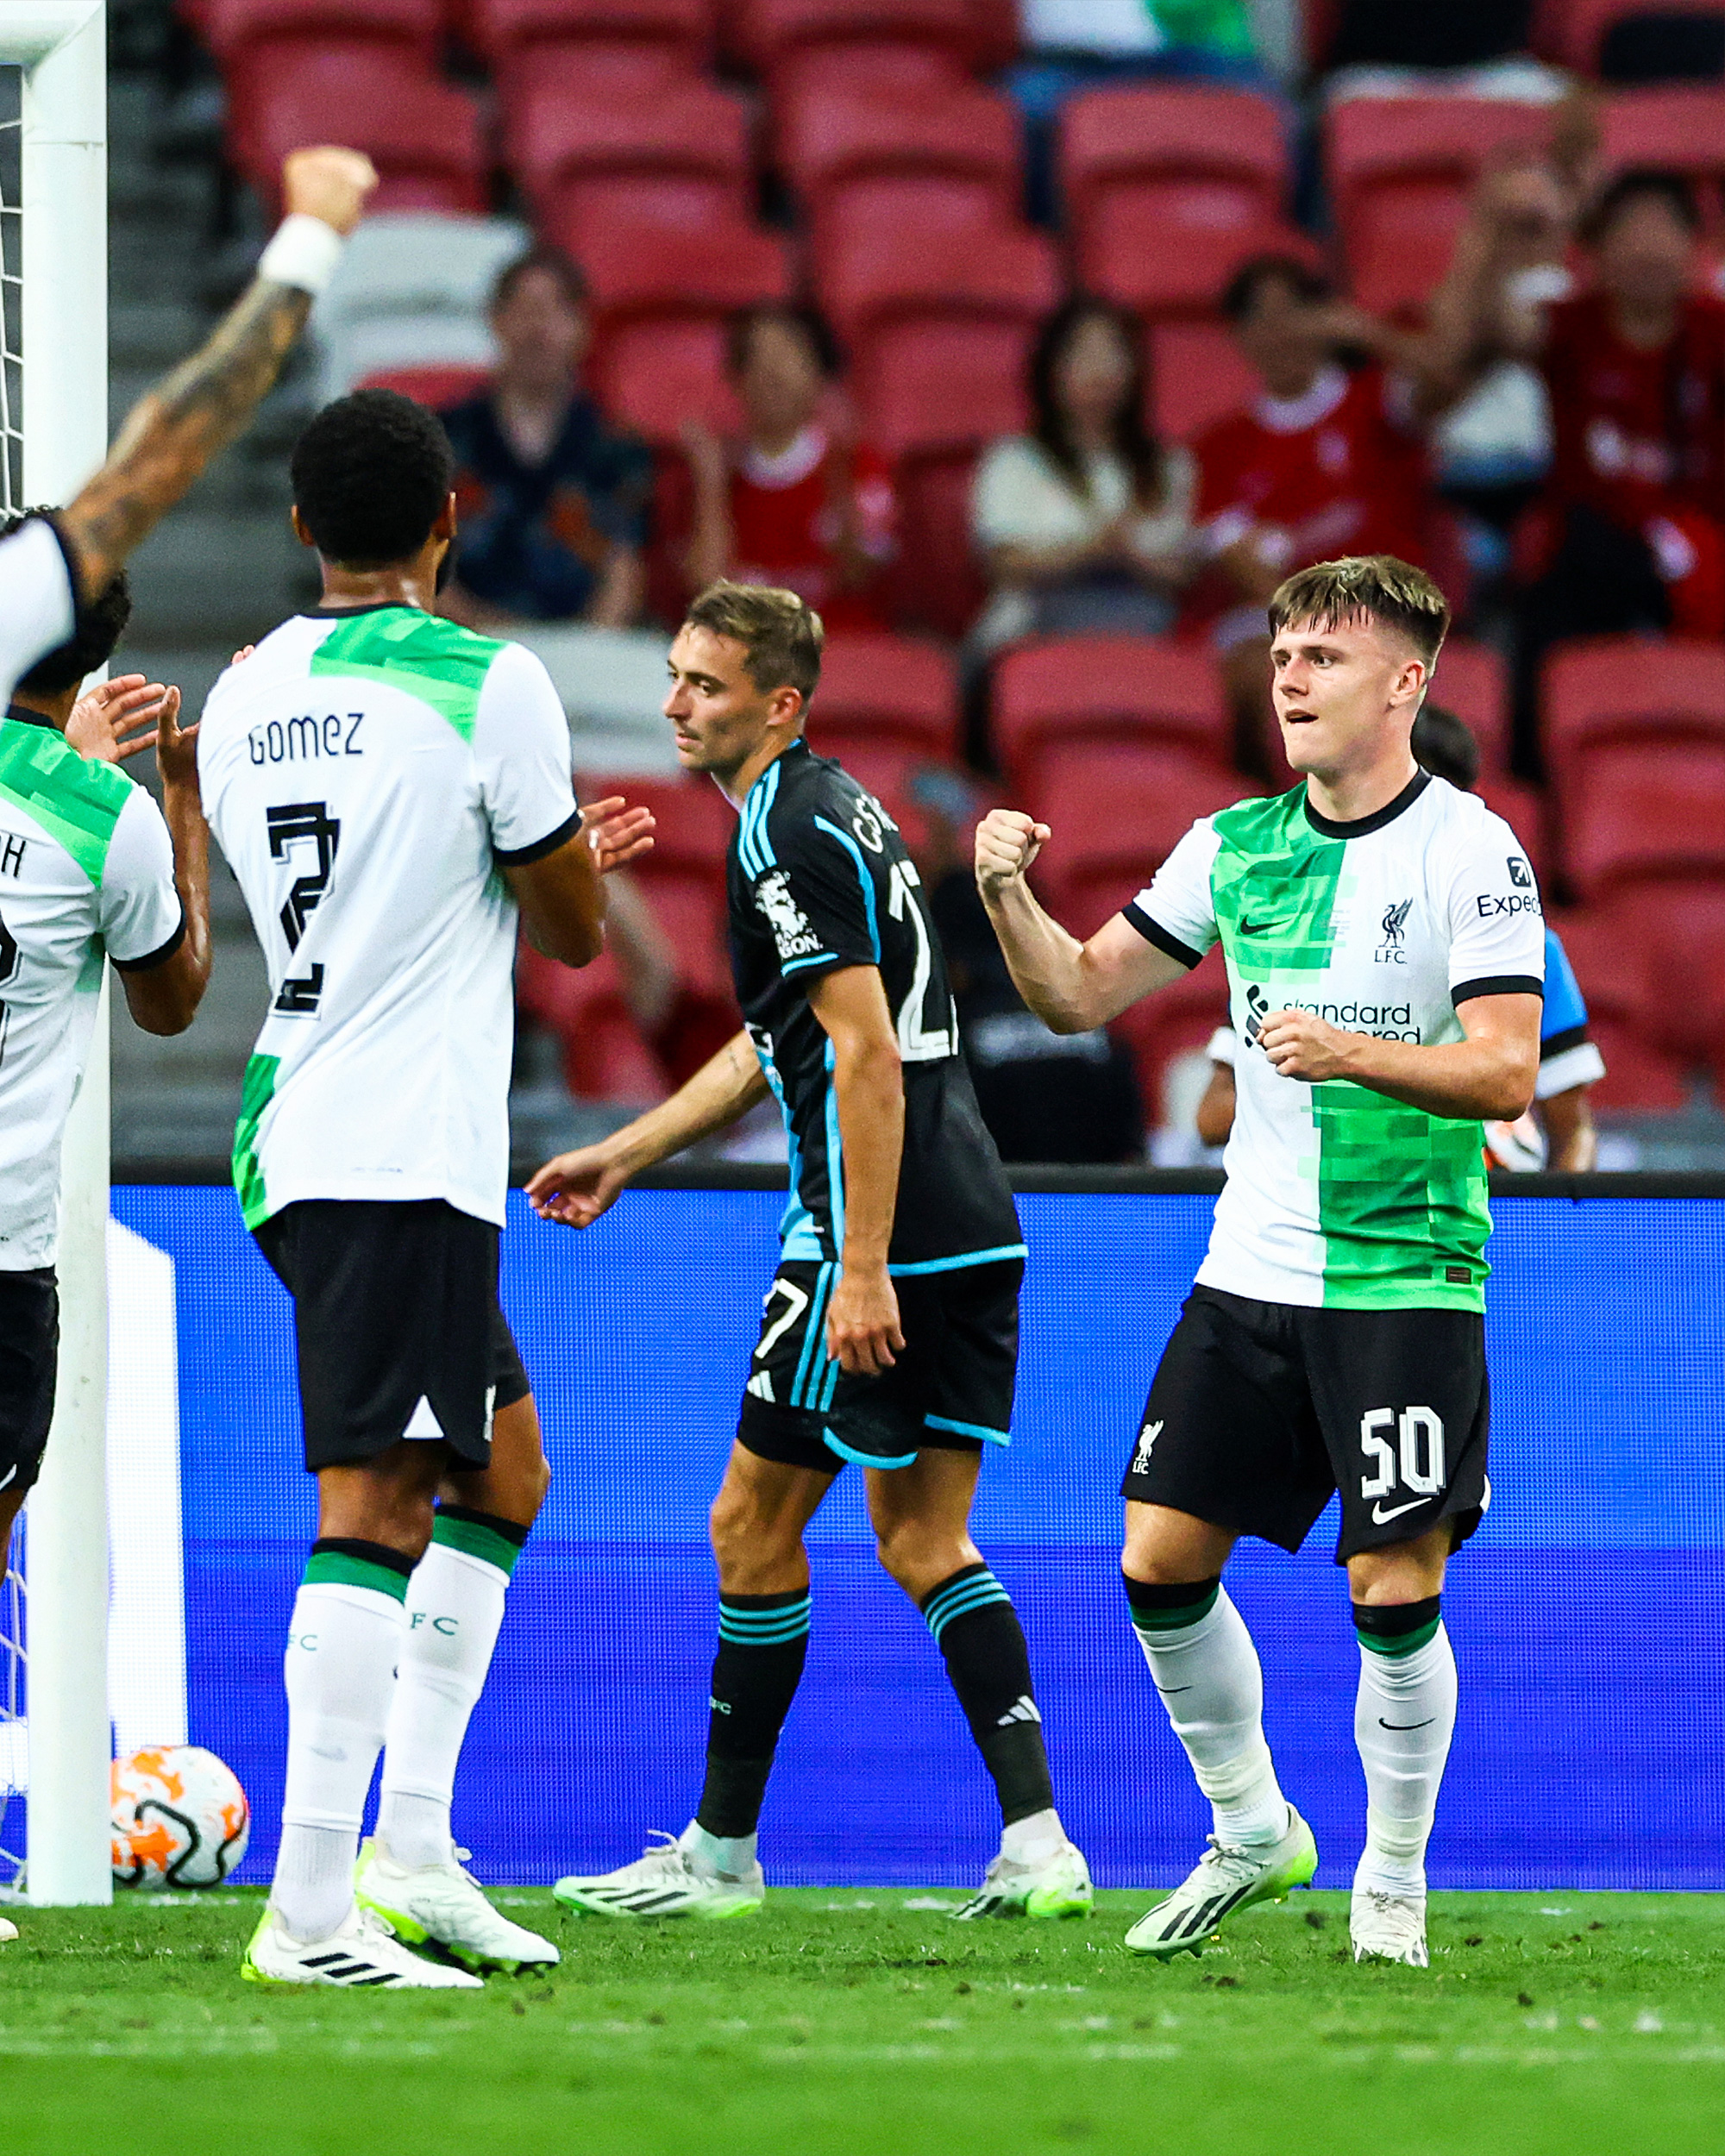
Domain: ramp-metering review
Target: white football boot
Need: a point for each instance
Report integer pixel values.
(1224, 1881)
(364, 1955)
(1388, 1927)
(1057, 1886)
(444, 1904)
(666, 1882)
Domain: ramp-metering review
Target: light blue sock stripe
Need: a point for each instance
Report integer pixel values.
(988, 1590)
(730, 1614)
(766, 1636)
(937, 1624)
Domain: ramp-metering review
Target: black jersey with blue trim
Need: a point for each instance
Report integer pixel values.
(818, 879)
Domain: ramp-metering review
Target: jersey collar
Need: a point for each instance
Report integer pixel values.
(1293, 415)
(1363, 826)
(30, 718)
(321, 612)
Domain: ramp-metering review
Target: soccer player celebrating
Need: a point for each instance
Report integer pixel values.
(1386, 952)
(890, 1334)
(393, 794)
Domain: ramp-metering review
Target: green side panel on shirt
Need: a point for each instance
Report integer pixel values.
(76, 804)
(439, 662)
(248, 1175)
(1276, 877)
(1401, 1204)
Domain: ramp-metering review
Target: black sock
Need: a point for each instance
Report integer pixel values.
(978, 1629)
(763, 1644)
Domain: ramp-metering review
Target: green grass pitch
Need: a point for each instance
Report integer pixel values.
(858, 2023)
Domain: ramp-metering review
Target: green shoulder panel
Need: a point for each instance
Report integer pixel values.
(76, 804)
(256, 1096)
(1275, 884)
(439, 662)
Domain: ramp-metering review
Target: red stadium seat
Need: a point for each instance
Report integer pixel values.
(1157, 251)
(833, 143)
(499, 30)
(679, 155)
(771, 32)
(1575, 30)
(1652, 956)
(655, 376)
(1197, 375)
(604, 1054)
(1005, 275)
(585, 74)
(423, 137)
(638, 273)
(1130, 690)
(937, 582)
(1117, 810)
(1172, 1023)
(436, 386)
(1472, 683)
(1169, 190)
(1634, 732)
(1680, 129)
(229, 28)
(886, 689)
(1401, 170)
(692, 823)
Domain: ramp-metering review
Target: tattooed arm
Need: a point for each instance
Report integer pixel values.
(176, 428)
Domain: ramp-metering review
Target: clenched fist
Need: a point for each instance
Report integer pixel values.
(1007, 842)
(329, 183)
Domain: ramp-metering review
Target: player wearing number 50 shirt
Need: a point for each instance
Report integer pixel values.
(1385, 952)
(393, 794)
(889, 1337)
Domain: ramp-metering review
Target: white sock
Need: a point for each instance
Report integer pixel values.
(1404, 1715)
(339, 1671)
(1213, 1686)
(718, 1856)
(455, 1608)
(1035, 1839)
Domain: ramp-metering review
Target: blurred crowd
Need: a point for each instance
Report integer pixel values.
(1530, 404)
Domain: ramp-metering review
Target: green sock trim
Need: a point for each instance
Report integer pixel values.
(474, 1539)
(1179, 1617)
(334, 1567)
(1409, 1643)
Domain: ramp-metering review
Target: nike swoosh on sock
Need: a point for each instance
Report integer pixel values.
(1426, 1724)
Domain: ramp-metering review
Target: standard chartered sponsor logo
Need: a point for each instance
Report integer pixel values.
(1384, 1021)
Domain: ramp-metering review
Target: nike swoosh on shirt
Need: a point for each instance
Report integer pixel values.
(1255, 928)
(1380, 1518)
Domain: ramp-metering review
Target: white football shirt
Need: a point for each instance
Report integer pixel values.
(1336, 1195)
(86, 866)
(365, 773)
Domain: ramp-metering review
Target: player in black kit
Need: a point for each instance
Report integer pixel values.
(890, 1333)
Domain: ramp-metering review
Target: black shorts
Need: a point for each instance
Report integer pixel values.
(1259, 1410)
(30, 1359)
(950, 1389)
(398, 1323)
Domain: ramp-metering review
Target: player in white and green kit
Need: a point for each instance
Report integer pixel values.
(393, 793)
(1386, 952)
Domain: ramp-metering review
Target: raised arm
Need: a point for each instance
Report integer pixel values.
(1071, 987)
(175, 428)
(575, 1188)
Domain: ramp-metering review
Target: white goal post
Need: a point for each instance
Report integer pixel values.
(62, 310)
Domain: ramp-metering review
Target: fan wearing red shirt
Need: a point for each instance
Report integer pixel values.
(1630, 534)
(1324, 462)
(792, 505)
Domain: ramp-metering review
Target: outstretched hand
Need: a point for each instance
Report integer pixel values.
(575, 1188)
(115, 720)
(617, 833)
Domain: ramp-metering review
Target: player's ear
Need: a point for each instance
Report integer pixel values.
(445, 527)
(299, 531)
(786, 707)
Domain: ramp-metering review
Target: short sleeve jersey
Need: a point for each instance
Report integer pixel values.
(1637, 433)
(1332, 470)
(367, 773)
(1337, 1196)
(786, 521)
(86, 867)
(818, 879)
(536, 537)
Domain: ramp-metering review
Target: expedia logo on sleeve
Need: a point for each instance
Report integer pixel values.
(789, 923)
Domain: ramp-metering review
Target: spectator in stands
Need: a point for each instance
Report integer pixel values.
(794, 503)
(1076, 45)
(1329, 460)
(553, 498)
(1474, 48)
(1085, 522)
(1631, 534)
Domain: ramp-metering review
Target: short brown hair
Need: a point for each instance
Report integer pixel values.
(1366, 587)
(781, 633)
(551, 261)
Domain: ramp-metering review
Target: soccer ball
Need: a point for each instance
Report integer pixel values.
(180, 1818)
